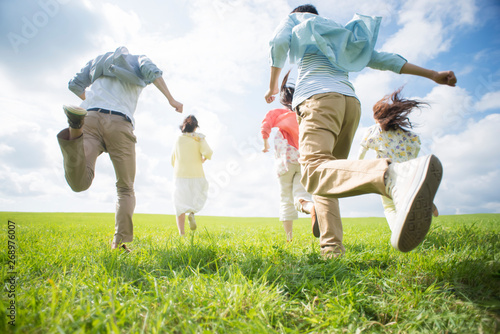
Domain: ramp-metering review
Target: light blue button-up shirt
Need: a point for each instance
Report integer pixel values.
(326, 51)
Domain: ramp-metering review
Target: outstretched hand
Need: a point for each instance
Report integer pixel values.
(445, 78)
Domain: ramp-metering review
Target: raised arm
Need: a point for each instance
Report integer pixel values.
(162, 87)
(442, 78)
(278, 53)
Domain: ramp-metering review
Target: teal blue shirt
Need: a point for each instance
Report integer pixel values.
(326, 52)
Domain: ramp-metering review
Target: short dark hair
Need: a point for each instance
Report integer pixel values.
(306, 9)
(189, 125)
(286, 93)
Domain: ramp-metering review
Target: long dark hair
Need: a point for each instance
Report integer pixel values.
(306, 9)
(286, 93)
(392, 111)
(189, 125)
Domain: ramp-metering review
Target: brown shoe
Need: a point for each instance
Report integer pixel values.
(314, 222)
(75, 115)
(121, 247)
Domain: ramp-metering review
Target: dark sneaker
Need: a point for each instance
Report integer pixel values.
(76, 116)
(412, 186)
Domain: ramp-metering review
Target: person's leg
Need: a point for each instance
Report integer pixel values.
(301, 198)
(192, 221)
(120, 144)
(181, 219)
(412, 185)
(327, 123)
(288, 227)
(327, 126)
(389, 210)
(287, 209)
(80, 154)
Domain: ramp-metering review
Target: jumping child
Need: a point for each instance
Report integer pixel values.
(391, 138)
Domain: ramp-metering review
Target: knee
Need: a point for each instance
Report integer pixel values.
(78, 188)
(125, 190)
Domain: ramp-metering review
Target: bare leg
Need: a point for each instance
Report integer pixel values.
(181, 219)
(288, 226)
(75, 133)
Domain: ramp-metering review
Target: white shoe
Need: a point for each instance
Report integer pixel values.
(412, 186)
(192, 221)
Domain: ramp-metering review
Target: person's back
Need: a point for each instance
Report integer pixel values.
(190, 185)
(396, 144)
(109, 86)
(113, 94)
(188, 152)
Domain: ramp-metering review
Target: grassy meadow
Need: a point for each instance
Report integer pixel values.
(238, 275)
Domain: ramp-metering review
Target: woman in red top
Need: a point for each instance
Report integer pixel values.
(293, 195)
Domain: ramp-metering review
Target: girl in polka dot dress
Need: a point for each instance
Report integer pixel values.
(390, 137)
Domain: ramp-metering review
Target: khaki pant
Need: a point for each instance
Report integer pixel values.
(104, 133)
(327, 124)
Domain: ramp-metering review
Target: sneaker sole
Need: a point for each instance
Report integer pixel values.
(315, 223)
(72, 110)
(418, 217)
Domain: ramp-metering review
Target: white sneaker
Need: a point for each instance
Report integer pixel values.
(192, 221)
(412, 186)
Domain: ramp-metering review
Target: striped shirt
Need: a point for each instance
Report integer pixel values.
(317, 75)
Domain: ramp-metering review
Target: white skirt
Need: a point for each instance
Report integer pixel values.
(190, 194)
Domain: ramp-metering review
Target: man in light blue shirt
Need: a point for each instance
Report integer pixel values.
(104, 122)
(328, 114)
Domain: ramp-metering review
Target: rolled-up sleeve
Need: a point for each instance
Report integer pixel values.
(385, 61)
(81, 80)
(149, 71)
(280, 43)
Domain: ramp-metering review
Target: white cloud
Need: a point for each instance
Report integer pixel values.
(488, 101)
(215, 61)
(428, 26)
(470, 160)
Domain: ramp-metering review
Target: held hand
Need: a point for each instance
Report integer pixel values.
(177, 106)
(445, 78)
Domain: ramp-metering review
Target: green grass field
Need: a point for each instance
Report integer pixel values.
(238, 275)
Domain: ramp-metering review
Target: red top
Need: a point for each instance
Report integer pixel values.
(286, 121)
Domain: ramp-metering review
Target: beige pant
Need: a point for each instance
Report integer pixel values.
(327, 124)
(104, 133)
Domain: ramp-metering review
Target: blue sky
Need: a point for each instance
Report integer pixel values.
(214, 54)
